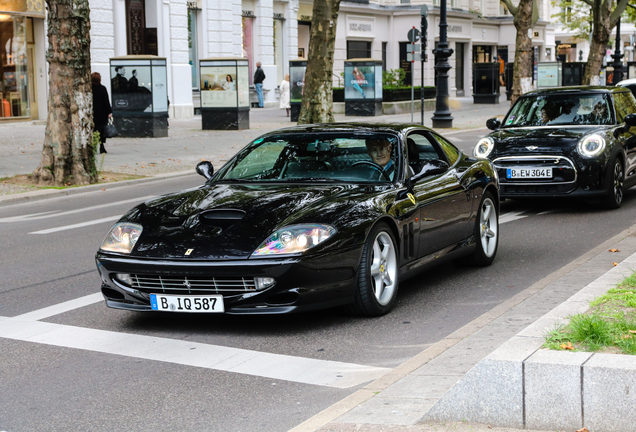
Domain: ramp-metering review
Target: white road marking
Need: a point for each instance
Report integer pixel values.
(62, 307)
(550, 211)
(511, 216)
(275, 366)
(79, 225)
(53, 213)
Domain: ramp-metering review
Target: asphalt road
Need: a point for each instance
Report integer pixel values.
(61, 382)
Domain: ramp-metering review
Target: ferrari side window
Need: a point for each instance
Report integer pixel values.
(452, 153)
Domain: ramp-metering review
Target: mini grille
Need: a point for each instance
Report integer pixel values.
(155, 283)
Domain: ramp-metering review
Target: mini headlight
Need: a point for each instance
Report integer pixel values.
(122, 237)
(483, 148)
(591, 146)
(294, 239)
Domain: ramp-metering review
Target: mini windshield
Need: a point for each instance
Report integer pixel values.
(560, 109)
(315, 157)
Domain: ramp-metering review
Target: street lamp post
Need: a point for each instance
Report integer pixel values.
(442, 117)
(617, 56)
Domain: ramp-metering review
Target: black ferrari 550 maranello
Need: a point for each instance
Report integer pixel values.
(304, 218)
(565, 142)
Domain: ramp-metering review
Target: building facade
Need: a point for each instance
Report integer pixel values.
(272, 32)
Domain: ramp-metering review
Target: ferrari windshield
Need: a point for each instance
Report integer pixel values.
(347, 157)
(561, 109)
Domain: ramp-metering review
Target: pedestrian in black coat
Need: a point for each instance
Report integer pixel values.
(102, 111)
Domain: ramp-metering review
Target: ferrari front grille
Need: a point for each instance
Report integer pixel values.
(186, 284)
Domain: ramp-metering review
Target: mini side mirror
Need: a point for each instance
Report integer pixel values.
(493, 123)
(630, 120)
(205, 169)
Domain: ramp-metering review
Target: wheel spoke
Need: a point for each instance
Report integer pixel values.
(490, 233)
(486, 213)
(375, 269)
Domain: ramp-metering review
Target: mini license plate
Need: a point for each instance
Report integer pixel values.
(190, 303)
(515, 173)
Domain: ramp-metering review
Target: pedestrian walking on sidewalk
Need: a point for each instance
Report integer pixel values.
(284, 94)
(102, 111)
(259, 77)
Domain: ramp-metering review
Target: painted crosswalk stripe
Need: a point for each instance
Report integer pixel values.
(79, 225)
(55, 213)
(274, 366)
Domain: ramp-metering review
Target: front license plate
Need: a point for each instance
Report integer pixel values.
(190, 303)
(515, 173)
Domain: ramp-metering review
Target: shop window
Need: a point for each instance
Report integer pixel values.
(13, 66)
(358, 49)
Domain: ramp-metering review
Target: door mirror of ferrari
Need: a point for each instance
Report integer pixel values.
(432, 167)
(493, 123)
(205, 169)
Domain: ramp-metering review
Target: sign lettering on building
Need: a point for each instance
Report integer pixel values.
(536, 34)
(360, 26)
(305, 18)
(248, 14)
(30, 7)
(279, 16)
(455, 29)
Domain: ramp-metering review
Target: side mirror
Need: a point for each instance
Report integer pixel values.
(493, 123)
(205, 169)
(630, 120)
(432, 167)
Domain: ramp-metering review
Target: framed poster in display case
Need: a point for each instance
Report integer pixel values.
(139, 95)
(363, 87)
(549, 74)
(297, 70)
(224, 93)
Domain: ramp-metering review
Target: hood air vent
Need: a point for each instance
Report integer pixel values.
(222, 218)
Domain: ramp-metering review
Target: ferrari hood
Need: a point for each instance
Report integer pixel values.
(230, 221)
(539, 140)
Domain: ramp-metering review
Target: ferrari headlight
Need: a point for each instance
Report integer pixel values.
(294, 239)
(591, 146)
(483, 148)
(122, 237)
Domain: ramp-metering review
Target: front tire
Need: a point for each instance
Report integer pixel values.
(614, 197)
(486, 232)
(378, 274)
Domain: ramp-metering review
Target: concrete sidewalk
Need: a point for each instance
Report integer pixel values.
(187, 144)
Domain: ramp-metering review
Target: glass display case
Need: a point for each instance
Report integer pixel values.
(363, 87)
(549, 74)
(573, 73)
(139, 94)
(296, 84)
(225, 97)
(486, 83)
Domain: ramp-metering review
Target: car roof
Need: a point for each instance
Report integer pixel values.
(627, 82)
(398, 128)
(576, 90)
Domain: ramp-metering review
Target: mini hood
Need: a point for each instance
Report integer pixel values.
(539, 140)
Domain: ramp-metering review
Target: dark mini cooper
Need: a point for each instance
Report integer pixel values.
(304, 218)
(571, 141)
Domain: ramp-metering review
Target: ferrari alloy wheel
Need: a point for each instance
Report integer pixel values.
(378, 275)
(486, 232)
(614, 197)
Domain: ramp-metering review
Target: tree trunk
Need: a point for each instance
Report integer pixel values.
(317, 104)
(601, 13)
(523, 67)
(68, 155)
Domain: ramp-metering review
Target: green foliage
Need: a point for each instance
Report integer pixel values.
(575, 15)
(609, 324)
(393, 78)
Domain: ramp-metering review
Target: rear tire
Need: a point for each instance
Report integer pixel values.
(378, 274)
(616, 177)
(486, 232)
